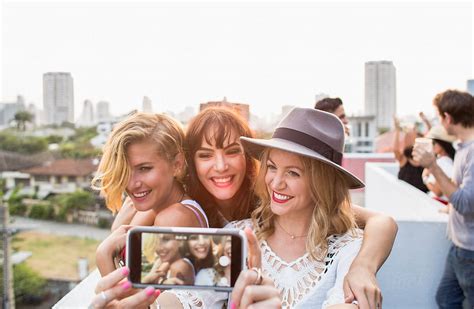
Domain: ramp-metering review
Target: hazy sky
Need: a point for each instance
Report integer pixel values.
(267, 54)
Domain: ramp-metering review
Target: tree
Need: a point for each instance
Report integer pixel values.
(21, 118)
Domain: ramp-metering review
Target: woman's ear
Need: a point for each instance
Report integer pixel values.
(179, 165)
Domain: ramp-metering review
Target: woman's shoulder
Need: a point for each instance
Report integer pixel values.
(240, 224)
(176, 215)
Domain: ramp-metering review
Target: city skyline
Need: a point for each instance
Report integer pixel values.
(264, 54)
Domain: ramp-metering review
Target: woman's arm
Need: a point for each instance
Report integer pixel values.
(110, 248)
(379, 234)
(396, 142)
(130, 216)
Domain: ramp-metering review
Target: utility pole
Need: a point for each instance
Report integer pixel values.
(8, 295)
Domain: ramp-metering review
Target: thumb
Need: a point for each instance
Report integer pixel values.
(255, 257)
(348, 295)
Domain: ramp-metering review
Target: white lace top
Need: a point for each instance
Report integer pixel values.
(303, 283)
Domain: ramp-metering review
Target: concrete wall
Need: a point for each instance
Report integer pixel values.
(410, 276)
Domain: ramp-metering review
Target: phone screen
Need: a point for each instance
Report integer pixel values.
(185, 259)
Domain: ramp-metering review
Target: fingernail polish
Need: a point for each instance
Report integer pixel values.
(232, 305)
(125, 271)
(149, 291)
(126, 285)
(157, 293)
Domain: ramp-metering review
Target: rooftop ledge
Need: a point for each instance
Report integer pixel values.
(410, 275)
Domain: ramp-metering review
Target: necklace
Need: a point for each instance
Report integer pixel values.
(289, 234)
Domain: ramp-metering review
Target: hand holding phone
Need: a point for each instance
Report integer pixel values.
(192, 258)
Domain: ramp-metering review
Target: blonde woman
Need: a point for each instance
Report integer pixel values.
(143, 159)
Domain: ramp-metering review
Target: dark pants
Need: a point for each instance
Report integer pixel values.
(457, 283)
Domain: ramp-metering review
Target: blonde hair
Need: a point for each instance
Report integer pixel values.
(114, 170)
(332, 213)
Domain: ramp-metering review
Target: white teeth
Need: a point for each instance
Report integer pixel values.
(140, 194)
(222, 180)
(281, 197)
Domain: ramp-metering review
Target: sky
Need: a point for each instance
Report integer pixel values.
(264, 53)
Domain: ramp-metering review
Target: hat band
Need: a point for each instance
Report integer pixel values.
(310, 142)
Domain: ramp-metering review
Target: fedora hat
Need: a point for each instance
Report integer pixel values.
(439, 132)
(308, 132)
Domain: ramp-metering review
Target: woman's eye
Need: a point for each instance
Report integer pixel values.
(204, 155)
(234, 151)
(144, 168)
(271, 166)
(293, 174)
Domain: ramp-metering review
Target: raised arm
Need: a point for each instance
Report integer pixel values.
(396, 141)
(380, 231)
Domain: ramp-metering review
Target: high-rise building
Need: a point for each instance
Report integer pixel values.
(87, 117)
(470, 86)
(9, 109)
(58, 97)
(146, 105)
(103, 113)
(380, 92)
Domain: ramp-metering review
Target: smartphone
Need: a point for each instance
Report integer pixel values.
(188, 258)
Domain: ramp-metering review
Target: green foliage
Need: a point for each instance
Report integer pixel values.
(41, 211)
(22, 144)
(78, 150)
(79, 200)
(21, 118)
(15, 203)
(54, 139)
(67, 203)
(104, 223)
(28, 285)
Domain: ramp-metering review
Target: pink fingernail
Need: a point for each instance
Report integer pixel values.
(157, 293)
(149, 291)
(125, 271)
(126, 285)
(232, 305)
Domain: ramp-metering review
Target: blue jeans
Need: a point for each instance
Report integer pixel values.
(457, 282)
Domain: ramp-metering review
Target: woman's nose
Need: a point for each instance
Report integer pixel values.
(220, 163)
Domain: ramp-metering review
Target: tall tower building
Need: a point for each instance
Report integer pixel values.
(470, 86)
(103, 113)
(380, 92)
(58, 97)
(146, 105)
(87, 116)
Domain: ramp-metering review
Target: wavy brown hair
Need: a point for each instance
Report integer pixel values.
(114, 169)
(332, 213)
(215, 125)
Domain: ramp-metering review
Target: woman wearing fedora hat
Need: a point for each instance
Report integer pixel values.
(304, 223)
(445, 152)
(222, 176)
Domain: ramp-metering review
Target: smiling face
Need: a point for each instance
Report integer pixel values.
(151, 184)
(199, 246)
(221, 170)
(168, 249)
(287, 184)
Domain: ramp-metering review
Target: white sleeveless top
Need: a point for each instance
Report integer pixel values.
(196, 209)
(302, 283)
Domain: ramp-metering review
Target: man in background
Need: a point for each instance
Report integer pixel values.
(334, 106)
(456, 114)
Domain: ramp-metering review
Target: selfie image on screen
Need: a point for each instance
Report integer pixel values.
(184, 259)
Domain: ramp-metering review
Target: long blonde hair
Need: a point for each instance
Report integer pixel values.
(114, 170)
(332, 213)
